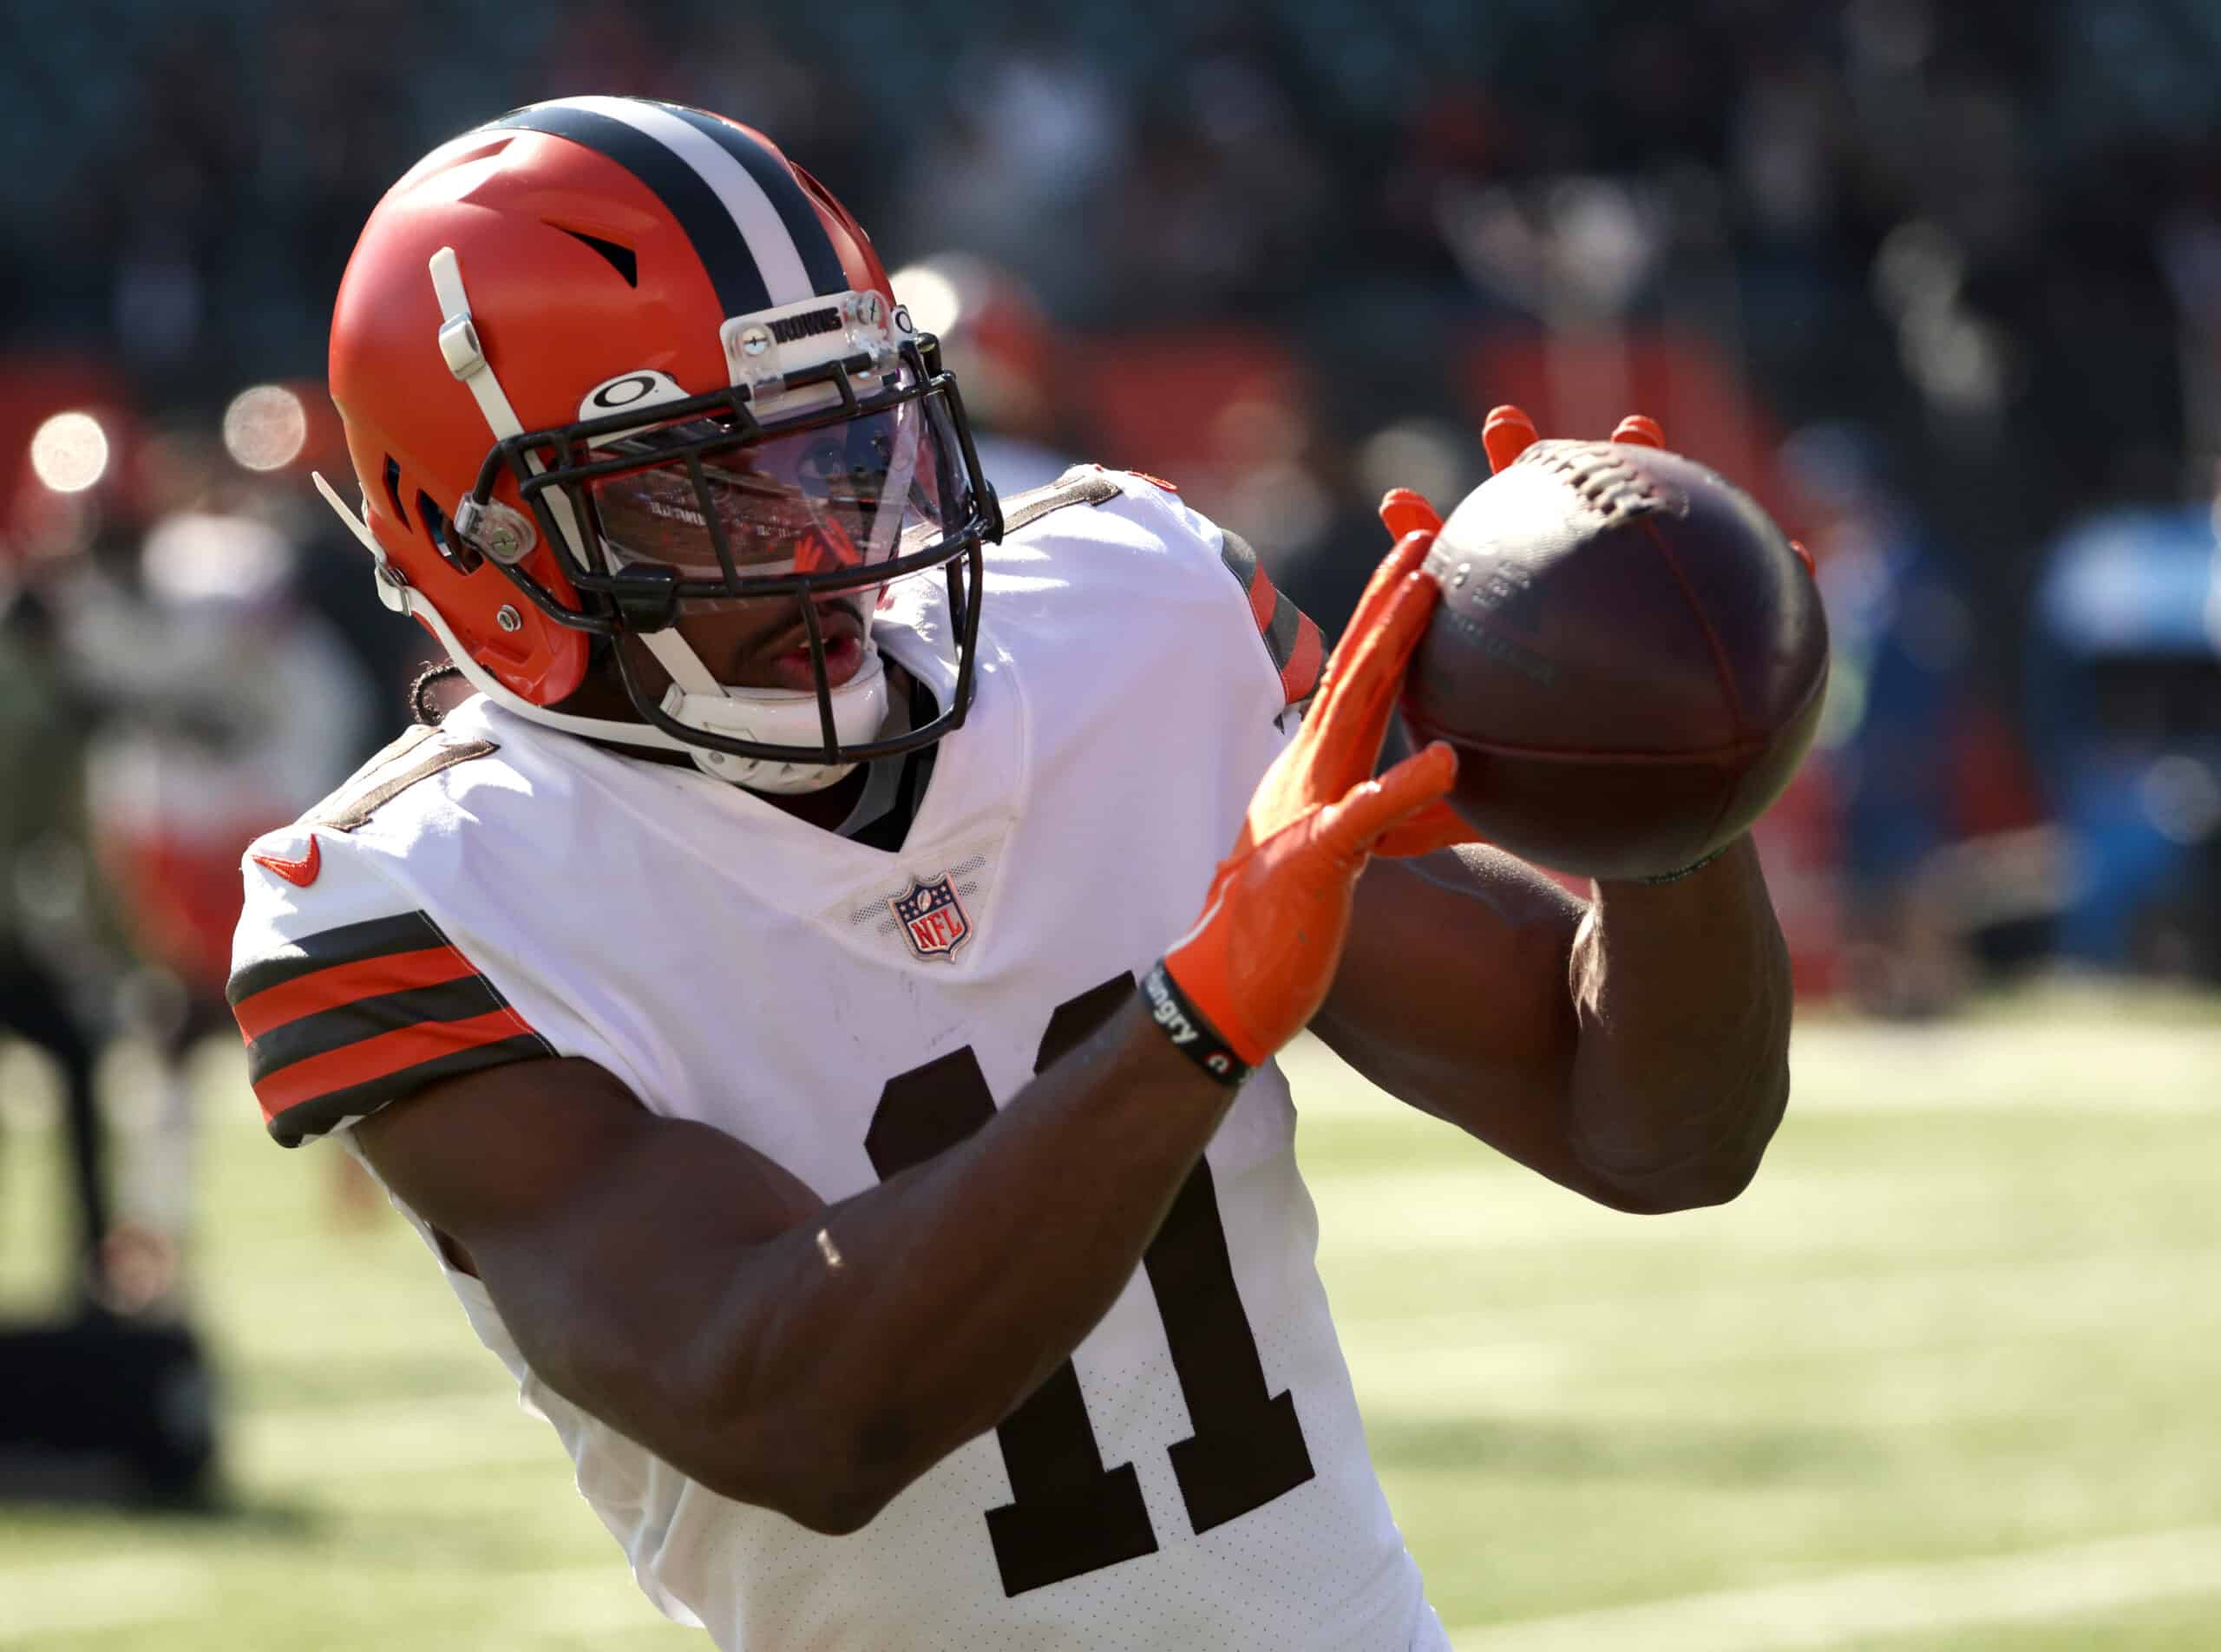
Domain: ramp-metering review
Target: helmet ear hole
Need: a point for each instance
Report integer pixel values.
(456, 551)
(393, 487)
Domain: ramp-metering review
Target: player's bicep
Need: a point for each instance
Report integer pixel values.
(1453, 995)
(605, 1234)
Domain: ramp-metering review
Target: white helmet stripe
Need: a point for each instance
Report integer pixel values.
(753, 214)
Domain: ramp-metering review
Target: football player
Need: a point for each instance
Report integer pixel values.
(818, 999)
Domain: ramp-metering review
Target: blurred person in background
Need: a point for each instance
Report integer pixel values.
(222, 705)
(77, 512)
(1902, 675)
(1014, 170)
(56, 964)
(2124, 703)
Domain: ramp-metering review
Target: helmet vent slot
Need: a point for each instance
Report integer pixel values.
(623, 259)
(476, 152)
(393, 487)
(459, 554)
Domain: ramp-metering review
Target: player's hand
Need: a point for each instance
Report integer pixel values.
(1258, 963)
(1505, 434)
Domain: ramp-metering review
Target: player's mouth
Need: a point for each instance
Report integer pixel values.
(842, 629)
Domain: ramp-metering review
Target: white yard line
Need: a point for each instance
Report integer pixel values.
(2033, 1586)
(38, 1602)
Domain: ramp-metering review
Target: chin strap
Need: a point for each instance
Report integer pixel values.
(459, 349)
(683, 665)
(466, 359)
(785, 716)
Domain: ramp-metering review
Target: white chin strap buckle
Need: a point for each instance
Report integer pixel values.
(758, 774)
(783, 716)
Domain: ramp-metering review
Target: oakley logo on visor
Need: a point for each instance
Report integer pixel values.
(643, 388)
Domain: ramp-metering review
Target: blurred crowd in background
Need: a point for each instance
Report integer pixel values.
(1940, 284)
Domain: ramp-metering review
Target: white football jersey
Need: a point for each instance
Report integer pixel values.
(1196, 1477)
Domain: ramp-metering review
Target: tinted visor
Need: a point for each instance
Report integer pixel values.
(825, 500)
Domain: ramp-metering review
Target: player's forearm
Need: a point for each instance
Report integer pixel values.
(911, 1317)
(1681, 1070)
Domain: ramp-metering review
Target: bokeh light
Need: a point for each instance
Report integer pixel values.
(1439, 460)
(70, 452)
(931, 297)
(265, 427)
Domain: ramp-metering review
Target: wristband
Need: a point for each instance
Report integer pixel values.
(1180, 1021)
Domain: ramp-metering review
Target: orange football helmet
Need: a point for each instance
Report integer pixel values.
(604, 358)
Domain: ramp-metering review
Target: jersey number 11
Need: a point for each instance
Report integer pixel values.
(1069, 1514)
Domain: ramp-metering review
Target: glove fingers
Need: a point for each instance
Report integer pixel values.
(1505, 434)
(1376, 668)
(1379, 591)
(1403, 511)
(1350, 828)
(1407, 554)
(1640, 430)
(1346, 725)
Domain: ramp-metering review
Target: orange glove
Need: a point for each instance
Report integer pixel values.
(1505, 434)
(1257, 965)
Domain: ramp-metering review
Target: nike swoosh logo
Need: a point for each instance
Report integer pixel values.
(301, 872)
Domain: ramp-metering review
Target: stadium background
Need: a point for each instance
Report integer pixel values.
(1941, 283)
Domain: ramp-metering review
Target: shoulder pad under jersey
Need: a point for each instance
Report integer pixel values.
(1293, 646)
(348, 994)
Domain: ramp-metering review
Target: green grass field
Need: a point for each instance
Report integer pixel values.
(1947, 1376)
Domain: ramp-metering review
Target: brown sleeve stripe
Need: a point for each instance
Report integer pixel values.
(348, 944)
(325, 988)
(384, 1067)
(316, 1116)
(365, 1019)
(341, 1022)
(1297, 651)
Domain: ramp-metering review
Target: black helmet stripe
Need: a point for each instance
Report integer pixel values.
(750, 271)
(819, 256)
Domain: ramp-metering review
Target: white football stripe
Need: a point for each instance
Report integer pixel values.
(758, 220)
(2036, 1585)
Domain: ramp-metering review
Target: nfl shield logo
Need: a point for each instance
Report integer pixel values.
(931, 917)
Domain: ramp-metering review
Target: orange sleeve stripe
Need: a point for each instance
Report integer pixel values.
(1293, 643)
(326, 989)
(1300, 677)
(1262, 600)
(373, 1058)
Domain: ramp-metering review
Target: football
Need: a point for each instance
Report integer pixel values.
(1629, 658)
